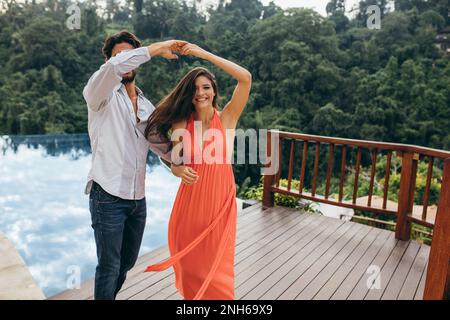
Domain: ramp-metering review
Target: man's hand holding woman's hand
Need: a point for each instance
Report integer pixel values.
(187, 174)
(194, 50)
(167, 48)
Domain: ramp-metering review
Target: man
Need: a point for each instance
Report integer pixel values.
(117, 117)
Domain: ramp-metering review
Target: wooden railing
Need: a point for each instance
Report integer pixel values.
(437, 283)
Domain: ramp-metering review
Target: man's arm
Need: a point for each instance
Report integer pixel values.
(160, 148)
(103, 81)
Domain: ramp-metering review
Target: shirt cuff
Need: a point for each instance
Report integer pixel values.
(147, 52)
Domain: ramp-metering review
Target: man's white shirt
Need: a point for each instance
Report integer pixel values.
(119, 147)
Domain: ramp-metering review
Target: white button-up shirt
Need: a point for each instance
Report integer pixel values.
(119, 147)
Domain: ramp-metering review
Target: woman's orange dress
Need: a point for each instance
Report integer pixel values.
(202, 225)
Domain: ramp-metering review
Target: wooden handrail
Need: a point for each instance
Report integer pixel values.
(366, 144)
(410, 154)
(438, 278)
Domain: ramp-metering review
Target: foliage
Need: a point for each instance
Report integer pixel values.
(312, 74)
(256, 193)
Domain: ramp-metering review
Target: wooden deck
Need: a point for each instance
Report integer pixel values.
(285, 254)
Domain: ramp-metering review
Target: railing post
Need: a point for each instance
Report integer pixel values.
(437, 285)
(269, 178)
(406, 196)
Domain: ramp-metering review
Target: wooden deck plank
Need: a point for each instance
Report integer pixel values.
(280, 279)
(360, 290)
(262, 238)
(254, 214)
(168, 289)
(267, 233)
(281, 258)
(351, 270)
(306, 235)
(249, 210)
(141, 281)
(265, 286)
(159, 288)
(415, 274)
(284, 254)
(328, 262)
(420, 290)
(249, 247)
(265, 251)
(145, 258)
(345, 231)
(386, 271)
(136, 275)
(362, 241)
(268, 252)
(137, 289)
(175, 296)
(272, 223)
(87, 288)
(139, 267)
(134, 283)
(398, 278)
(249, 229)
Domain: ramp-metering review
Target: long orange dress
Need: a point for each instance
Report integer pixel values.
(202, 225)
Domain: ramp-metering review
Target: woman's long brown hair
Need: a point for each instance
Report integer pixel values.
(177, 105)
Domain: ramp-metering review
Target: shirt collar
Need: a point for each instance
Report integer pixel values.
(138, 90)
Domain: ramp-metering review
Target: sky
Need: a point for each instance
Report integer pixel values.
(318, 5)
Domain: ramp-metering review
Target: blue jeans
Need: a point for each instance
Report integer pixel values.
(118, 228)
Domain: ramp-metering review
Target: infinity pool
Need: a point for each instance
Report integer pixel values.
(45, 214)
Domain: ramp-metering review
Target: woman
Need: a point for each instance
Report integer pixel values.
(202, 226)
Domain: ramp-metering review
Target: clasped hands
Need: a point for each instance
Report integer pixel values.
(167, 49)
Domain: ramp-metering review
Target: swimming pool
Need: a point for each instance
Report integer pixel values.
(45, 214)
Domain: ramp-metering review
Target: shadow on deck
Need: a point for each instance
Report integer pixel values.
(286, 254)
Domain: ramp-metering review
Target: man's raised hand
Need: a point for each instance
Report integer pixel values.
(167, 48)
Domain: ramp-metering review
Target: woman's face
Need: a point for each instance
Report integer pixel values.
(204, 93)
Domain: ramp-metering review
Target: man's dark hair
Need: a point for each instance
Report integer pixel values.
(123, 36)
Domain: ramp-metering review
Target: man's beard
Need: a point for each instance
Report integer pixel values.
(128, 79)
